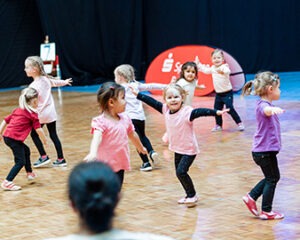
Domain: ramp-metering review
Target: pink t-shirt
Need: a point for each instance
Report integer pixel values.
(114, 148)
(46, 107)
(182, 138)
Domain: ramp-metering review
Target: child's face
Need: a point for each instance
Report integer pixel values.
(120, 79)
(173, 99)
(275, 92)
(189, 73)
(29, 69)
(217, 59)
(34, 103)
(120, 103)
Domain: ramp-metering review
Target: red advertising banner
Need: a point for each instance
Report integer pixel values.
(168, 64)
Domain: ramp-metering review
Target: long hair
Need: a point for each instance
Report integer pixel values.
(25, 98)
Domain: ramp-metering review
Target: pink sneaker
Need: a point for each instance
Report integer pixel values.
(9, 186)
(251, 204)
(270, 215)
(31, 176)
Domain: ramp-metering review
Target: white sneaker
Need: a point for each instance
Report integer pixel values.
(154, 157)
(241, 127)
(217, 128)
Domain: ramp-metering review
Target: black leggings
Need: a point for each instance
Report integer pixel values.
(182, 165)
(139, 126)
(21, 156)
(53, 135)
(227, 99)
(120, 175)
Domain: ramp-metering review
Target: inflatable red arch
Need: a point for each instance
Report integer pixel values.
(168, 63)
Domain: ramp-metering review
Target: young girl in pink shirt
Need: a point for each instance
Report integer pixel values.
(14, 129)
(181, 136)
(43, 83)
(111, 130)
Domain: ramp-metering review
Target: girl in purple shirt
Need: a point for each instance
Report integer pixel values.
(266, 143)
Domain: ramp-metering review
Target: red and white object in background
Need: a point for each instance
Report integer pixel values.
(168, 64)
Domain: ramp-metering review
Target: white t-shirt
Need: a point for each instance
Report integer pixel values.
(114, 235)
(189, 87)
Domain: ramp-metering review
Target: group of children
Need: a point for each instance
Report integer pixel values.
(122, 117)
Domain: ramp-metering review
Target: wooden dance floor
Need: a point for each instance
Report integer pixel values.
(222, 173)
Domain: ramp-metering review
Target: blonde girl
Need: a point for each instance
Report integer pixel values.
(43, 83)
(124, 75)
(14, 129)
(181, 136)
(111, 130)
(220, 72)
(266, 143)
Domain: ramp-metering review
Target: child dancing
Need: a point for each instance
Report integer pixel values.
(124, 75)
(43, 83)
(14, 129)
(181, 136)
(111, 130)
(266, 143)
(224, 95)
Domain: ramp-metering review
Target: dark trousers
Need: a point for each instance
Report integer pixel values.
(266, 187)
(53, 135)
(226, 99)
(21, 154)
(182, 165)
(139, 126)
(120, 175)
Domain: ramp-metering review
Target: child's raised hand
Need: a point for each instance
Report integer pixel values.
(134, 90)
(221, 112)
(68, 81)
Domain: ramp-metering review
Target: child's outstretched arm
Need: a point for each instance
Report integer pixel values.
(97, 139)
(147, 99)
(134, 138)
(203, 112)
(59, 83)
(273, 110)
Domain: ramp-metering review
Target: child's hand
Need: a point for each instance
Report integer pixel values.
(277, 110)
(221, 112)
(133, 90)
(142, 150)
(197, 61)
(218, 70)
(173, 79)
(68, 81)
(89, 158)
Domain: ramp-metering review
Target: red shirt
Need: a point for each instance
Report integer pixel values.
(20, 123)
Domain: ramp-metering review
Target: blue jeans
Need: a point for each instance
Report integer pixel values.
(182, 165)
(266, 187)
(227, 99)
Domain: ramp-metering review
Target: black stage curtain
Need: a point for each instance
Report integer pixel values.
(94, 36)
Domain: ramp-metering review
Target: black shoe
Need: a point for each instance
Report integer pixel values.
(146, 167)
(41, 162)
(58, 163)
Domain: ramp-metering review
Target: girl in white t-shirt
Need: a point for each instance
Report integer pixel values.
(124, 75)
(220, 72)
(181, 136)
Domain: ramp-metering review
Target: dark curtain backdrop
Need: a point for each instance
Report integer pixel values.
(94, 36)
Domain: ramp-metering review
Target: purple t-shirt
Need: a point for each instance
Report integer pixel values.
(267, 136)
